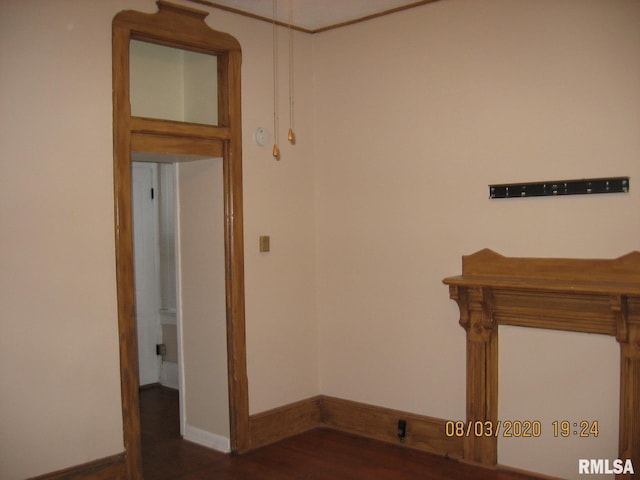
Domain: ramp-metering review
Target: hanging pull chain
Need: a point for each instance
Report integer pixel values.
(276, 150)
(291, 135)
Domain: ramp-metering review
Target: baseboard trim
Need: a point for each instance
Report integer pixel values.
(108, 468)
(207, 439)
(283, 422)
(422, 433)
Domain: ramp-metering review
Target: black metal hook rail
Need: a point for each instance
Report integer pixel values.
(583, 186)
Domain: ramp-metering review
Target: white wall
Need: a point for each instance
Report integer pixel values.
(578, 381)
(417, 113)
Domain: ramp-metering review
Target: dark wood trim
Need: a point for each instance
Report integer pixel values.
(229, 79)
(589, 275)
(307, 30)
(179, 27)
(178, 129)
(580, 295)
(109, 468)
(422, 432)
(629, 339)
(125, 285)
(178, 145)
(379, 423)
(283, 422)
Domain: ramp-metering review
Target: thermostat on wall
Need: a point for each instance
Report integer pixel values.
(261, 136)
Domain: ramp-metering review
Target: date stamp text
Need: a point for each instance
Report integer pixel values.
(520, 428)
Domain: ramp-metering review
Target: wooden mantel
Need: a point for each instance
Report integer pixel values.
(578, 295)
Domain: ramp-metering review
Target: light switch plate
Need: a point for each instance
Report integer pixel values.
(265, 241)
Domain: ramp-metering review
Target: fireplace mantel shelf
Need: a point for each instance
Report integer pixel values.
(579, 295)
(549, 285)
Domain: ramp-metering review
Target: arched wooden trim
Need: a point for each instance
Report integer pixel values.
(184, 28)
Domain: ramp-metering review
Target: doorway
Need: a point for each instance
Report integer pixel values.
(146, 245)
(222, 140)
(179, 245)
(156, 282)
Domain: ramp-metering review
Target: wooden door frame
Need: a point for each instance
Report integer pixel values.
(184, 28)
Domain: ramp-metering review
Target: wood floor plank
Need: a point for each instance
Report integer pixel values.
(319, 454)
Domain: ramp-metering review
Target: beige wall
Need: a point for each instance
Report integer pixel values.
(59, 373)
(279, 201)
(59, 378)
(173, 84)
(416, 114)
(402, 122)
(202, 297)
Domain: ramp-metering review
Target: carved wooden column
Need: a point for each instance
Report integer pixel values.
(482, 370)
(627, 313)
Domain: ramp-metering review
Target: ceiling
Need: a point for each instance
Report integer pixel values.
(316, 15)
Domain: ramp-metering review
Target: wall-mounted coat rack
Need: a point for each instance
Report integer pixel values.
(560, 187)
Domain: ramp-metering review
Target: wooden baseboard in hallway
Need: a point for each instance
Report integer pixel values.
(319, 454)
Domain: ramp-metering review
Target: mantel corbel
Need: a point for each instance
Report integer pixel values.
(459, 295)
(619, 308)
(476, 315)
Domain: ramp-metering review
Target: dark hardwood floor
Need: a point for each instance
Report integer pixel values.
(320, 454)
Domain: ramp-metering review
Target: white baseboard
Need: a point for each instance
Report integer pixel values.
(207, 439)
(169, 375)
